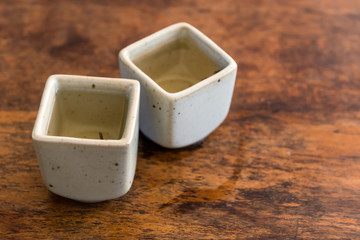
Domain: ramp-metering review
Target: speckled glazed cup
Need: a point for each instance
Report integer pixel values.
(186, 81)
(86, 136)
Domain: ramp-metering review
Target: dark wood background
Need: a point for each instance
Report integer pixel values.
(285, 164)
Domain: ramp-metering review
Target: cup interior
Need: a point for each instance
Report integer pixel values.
(180, 61)
(88, 113)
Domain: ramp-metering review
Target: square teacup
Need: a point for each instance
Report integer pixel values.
(186, 81)
(86, 136)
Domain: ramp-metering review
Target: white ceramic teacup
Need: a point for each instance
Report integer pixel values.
(86, 136)
(186, 81)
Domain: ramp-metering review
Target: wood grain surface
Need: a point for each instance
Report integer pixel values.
(285, 164)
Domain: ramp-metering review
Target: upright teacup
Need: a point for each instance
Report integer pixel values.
(86, 136)
(186, 81)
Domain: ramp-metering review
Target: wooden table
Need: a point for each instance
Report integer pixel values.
(285, 164)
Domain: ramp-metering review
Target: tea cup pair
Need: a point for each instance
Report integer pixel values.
(86, 131)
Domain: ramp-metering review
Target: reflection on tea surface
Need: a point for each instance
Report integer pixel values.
(88, 114)
(177, 65)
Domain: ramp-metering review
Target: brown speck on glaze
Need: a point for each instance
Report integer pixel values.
(116, 164)
(93, 86)
(50, 185)
(74, 148)
(219, 80)
(217, 71)
(153, 106)
(101, 136)
(160, 108)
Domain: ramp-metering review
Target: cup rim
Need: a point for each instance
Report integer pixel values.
(48, 98)
(125, 56)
